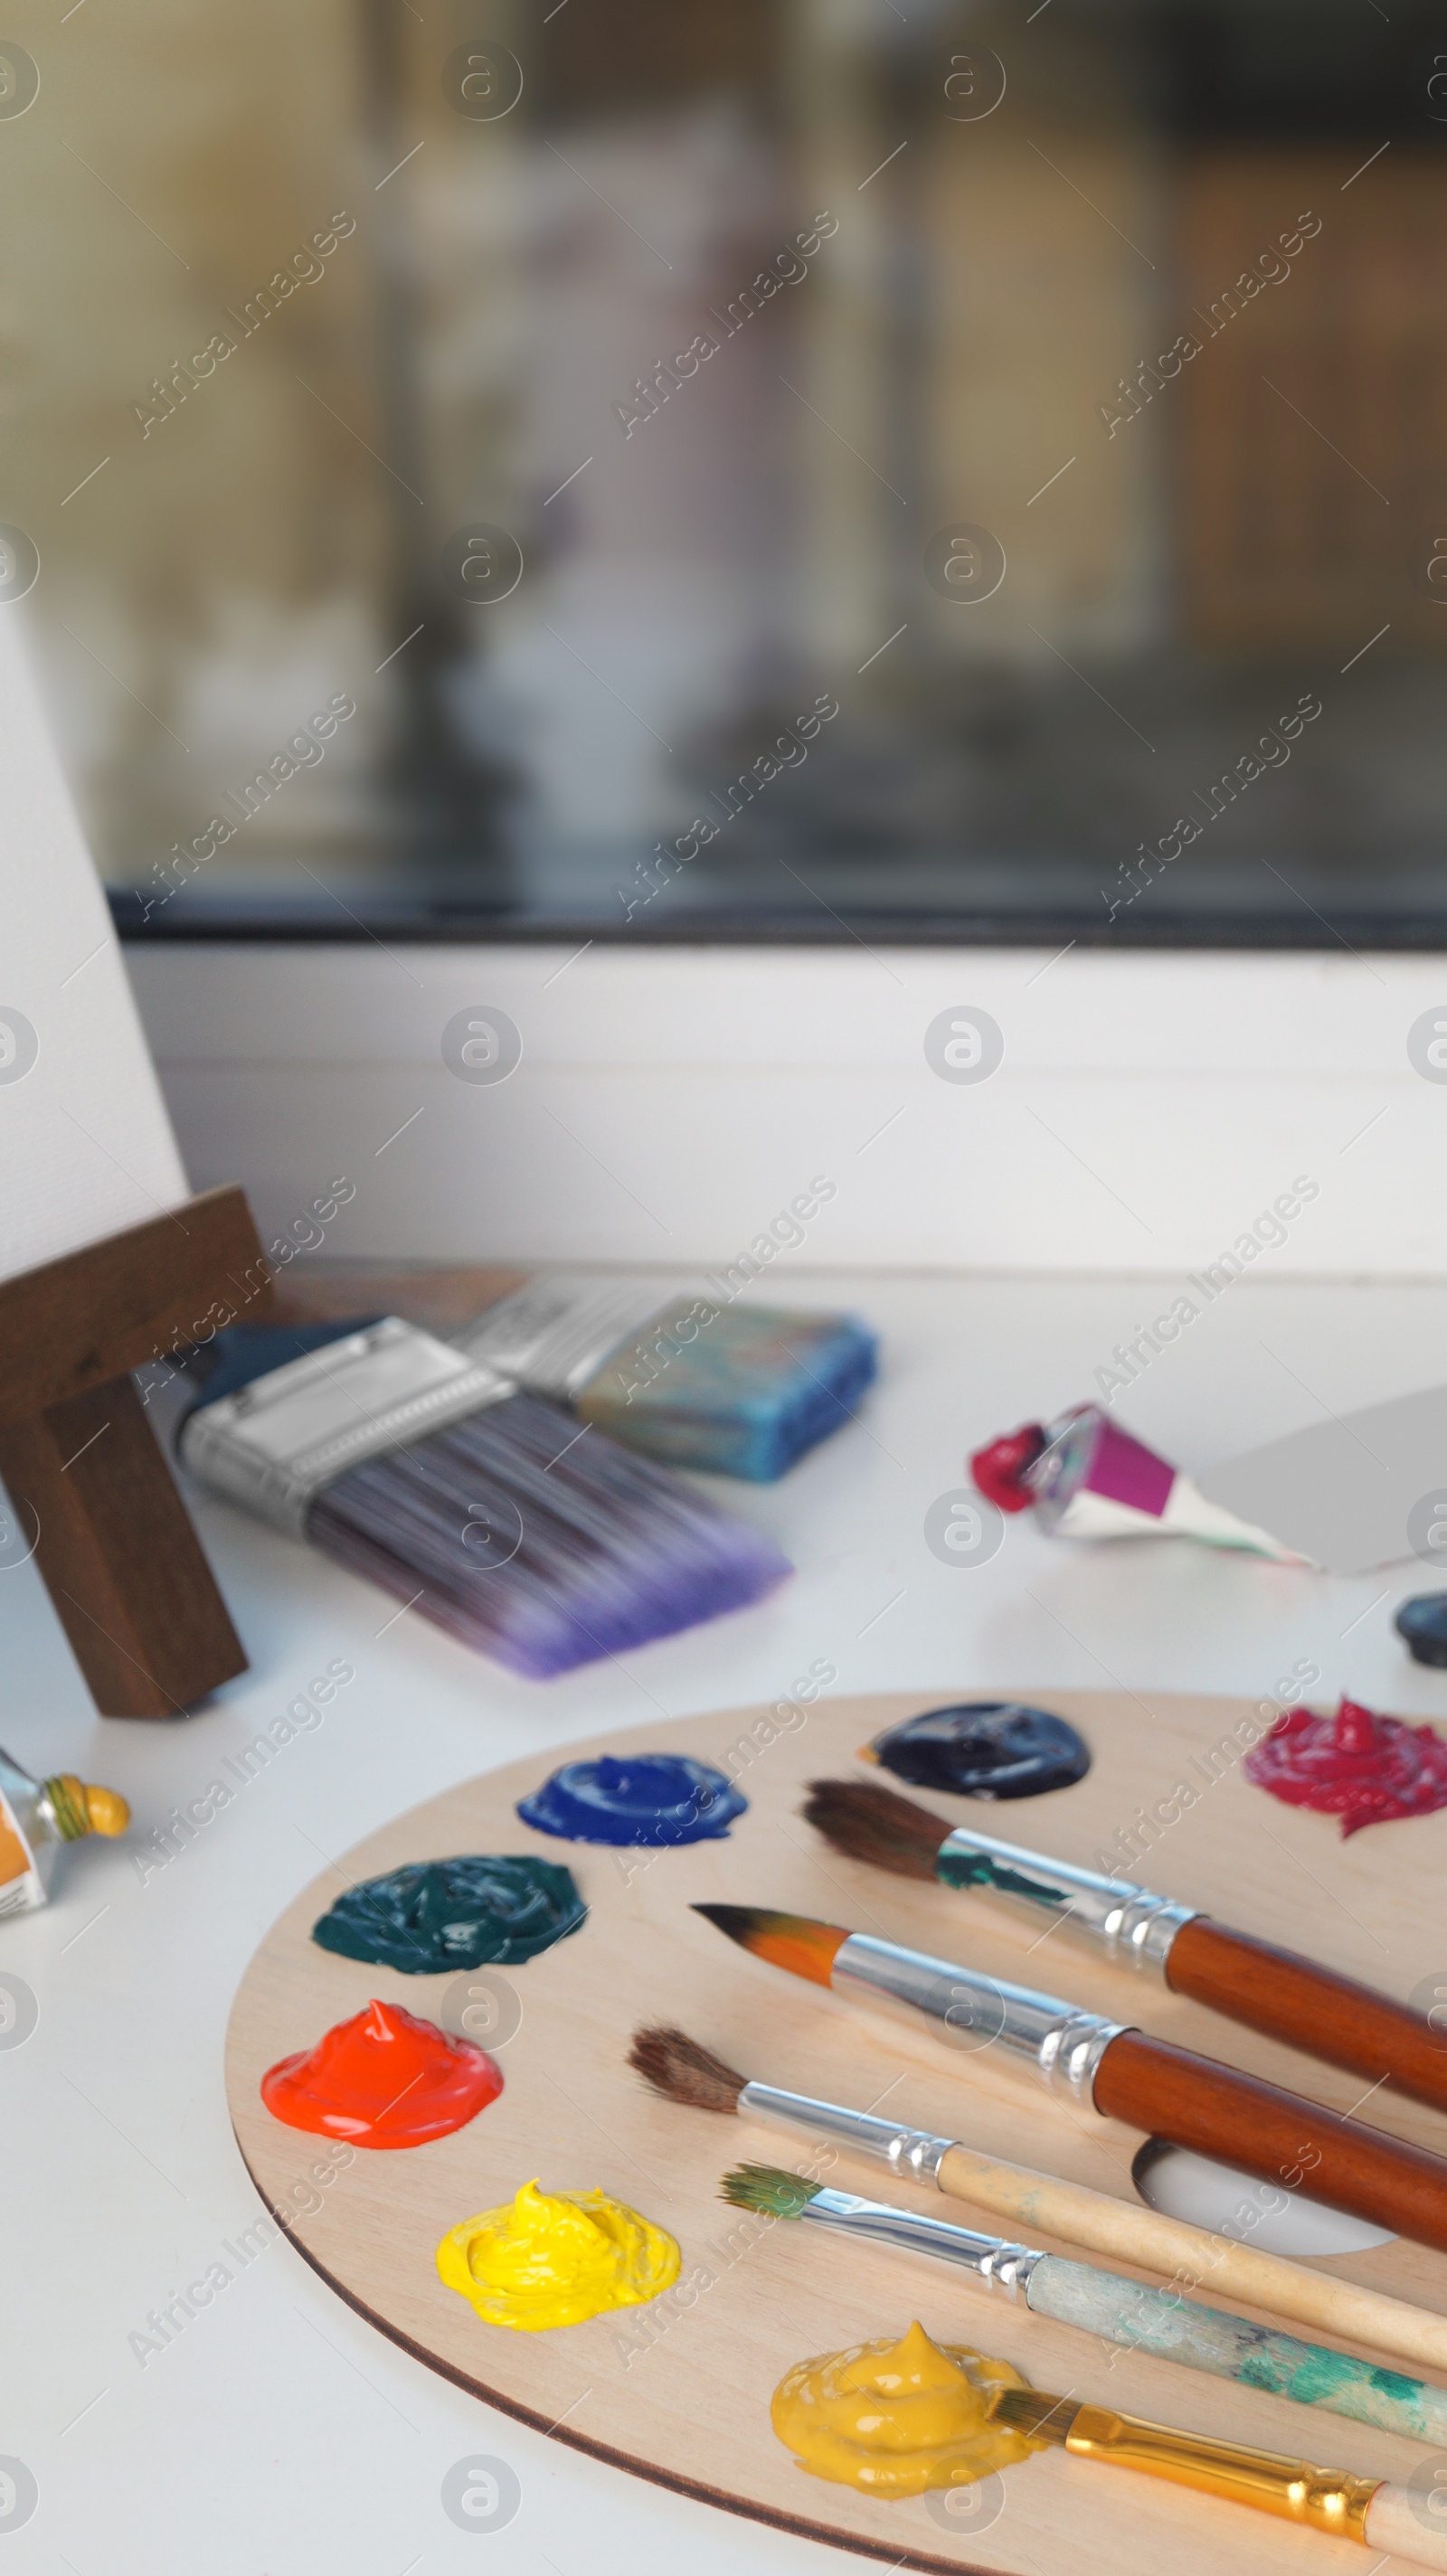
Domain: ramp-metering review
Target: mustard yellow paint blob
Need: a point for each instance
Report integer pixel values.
(894, 2419)
(553, 2258)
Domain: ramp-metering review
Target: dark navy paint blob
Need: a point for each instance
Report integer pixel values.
(985, 1749)
(653, 1798)
(471, 1912)
(1423, 1622)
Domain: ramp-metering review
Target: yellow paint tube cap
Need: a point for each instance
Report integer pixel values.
(83, 1809)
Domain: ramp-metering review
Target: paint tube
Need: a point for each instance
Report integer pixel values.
(1082, 1476)
(37, 1817)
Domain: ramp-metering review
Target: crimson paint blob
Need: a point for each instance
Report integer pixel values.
(382, 2079)
(1363, 1768)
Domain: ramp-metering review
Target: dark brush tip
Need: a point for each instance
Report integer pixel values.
(736, 1920)
(870, 1823)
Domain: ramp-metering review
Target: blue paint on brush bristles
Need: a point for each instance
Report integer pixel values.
(542, 1546)
(736, 1390)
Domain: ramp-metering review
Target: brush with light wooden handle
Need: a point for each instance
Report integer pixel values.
(1120, 2311)
(1274, 1991)
(1113, 2069)
(686, 2073)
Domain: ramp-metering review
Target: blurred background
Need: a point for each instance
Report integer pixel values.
(452, 457)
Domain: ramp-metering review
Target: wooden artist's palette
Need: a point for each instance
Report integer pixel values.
(679, 2392)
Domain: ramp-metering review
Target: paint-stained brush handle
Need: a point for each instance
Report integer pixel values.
(1288, 1998)
(1279, 2137)
(1133, 2234)
(1145, 2319)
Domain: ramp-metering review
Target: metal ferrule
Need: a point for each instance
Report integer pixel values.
(972, 2012)
(911, 2153)
(1127, 1921)
(1003, 2267)
(274, 1444)
(555, 1334)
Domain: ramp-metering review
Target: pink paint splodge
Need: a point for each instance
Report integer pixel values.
(1356, 1765)
(1083, 1477)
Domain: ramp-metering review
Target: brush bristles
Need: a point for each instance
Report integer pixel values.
(545, 1548)
(681, 2071)
(876, 1825)
(796, 1942)
(1035, 2413)
(768, 2189)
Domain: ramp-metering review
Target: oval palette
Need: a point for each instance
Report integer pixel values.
(678, 2392)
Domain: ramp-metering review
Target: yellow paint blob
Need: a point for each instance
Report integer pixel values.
(894, 2419)
(553, 2258)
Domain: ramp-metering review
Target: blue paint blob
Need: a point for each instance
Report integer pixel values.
(654, 1799)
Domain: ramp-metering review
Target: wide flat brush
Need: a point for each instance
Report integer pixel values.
(1105, 2066)
(693, 1380)
(1121, 2311)
(1273, 1991)
(685, 2073)
(486, 1510)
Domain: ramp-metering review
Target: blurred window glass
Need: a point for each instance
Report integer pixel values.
(813, 466)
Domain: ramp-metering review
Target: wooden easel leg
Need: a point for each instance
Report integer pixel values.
(153, 1635)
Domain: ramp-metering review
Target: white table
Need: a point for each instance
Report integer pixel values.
(278, 2435)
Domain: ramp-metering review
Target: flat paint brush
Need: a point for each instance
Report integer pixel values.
(691, 2076)
(1273, 1991)
(1370, 2510)
(1107, 2304)
(484, 1509)
(1120, 2072)
(693, 1380)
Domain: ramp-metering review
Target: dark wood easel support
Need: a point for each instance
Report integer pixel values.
(83, 1469)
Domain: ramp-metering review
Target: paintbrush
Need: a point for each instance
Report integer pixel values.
(694, 1380)
(485, 1509)
(1274, 1991)
(1370, 2510)
(683, 2072)
(1108, 2304)
(1118, 2071)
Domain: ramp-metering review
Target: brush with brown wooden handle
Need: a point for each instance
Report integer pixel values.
(1274, 1991)
(1120, 2072)
(684, 2072)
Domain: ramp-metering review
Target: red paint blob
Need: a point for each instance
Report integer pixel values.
(383, 2079)
(998, 1470)
(1363, 1768)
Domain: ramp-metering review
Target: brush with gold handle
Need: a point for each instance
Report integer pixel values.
(1369, 2510)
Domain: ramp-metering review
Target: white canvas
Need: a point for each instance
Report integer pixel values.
(86, 1146)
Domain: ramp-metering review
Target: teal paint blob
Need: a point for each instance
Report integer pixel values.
(473, 1911)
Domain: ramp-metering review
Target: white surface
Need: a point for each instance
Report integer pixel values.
(670, 1102)
(1183, 2185)
(279, 2435)
(85, 1144)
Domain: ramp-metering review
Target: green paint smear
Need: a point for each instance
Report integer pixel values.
(977, 1869)
(1321, 2381)
(474, 1911)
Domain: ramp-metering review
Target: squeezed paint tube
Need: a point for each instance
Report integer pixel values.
(1083, 1477)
